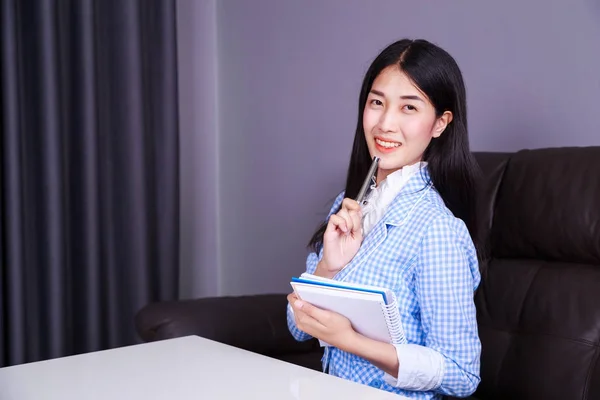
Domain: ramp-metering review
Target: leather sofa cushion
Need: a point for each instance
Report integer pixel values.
(548, 206)
(539, 324)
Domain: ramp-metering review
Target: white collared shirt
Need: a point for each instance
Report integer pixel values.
(380, 197)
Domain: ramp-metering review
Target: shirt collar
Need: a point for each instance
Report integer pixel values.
(396, 179)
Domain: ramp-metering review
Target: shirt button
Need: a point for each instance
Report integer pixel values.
(376, 383)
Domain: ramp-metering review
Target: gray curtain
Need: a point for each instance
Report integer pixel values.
(89, 172)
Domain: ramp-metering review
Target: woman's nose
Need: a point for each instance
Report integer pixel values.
(388, 122)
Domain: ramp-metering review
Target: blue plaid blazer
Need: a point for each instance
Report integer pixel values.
(426, 256)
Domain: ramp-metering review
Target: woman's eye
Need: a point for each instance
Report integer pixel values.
(410, 108)
(376, 102)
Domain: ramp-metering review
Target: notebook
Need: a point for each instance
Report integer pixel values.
(372, 311)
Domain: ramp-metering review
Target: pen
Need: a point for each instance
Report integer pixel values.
(365, 186)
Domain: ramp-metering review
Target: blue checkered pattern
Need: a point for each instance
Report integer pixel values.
(426, 256)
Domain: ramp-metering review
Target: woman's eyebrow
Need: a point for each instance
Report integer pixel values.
(412, 97)
(406, 97)
(377, 92)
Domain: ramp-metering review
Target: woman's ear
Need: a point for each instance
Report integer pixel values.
(441, 123)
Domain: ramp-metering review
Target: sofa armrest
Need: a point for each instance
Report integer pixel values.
(257, 323)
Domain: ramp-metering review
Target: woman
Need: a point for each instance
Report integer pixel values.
(416, 233)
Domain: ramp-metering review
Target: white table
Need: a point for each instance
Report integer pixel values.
(185, 368)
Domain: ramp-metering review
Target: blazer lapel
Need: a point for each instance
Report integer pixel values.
(396, 214)
(408, 198)
(369, 244)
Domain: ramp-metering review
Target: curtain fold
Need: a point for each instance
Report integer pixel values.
(89, 172)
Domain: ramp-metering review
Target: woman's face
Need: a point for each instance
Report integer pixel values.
(399, 121)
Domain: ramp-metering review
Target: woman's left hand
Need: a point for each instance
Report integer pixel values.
(329, 326)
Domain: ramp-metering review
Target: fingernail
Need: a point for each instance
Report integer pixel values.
(298, 304)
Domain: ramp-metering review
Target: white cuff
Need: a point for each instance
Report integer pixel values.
(421, 368)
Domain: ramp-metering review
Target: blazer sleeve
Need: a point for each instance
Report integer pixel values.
(447, 275)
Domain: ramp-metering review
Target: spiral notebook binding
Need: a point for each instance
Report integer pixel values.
(392, 318)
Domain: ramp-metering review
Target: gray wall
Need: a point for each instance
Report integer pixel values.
(287, 81)
(198, 100)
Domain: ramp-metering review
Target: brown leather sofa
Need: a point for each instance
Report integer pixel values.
(538, 304)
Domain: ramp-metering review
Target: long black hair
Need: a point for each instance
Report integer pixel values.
(453, 170)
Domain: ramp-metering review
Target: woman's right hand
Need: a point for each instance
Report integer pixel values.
(342, 238)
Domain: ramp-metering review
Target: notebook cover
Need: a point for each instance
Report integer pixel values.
(363, 309)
